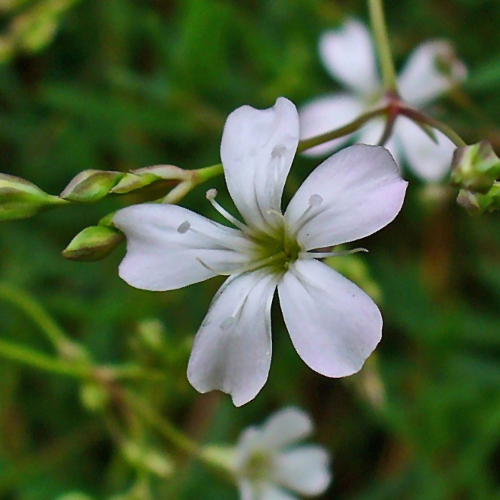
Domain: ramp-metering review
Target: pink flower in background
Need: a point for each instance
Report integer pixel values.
(348, 55)
(269, 463)
(334, 326)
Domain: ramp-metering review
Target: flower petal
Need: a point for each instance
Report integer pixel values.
(371, 134)
(304, 470)
(165, 244)
(257, 150)
(423, 78)
(428, 160)
(262, 491)
(352, 194)
(286, 427)
(348, 55)
(232, 349)
(333, 324)
(328, 113)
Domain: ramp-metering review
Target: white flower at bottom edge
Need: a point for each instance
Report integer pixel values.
(268, 464)
(348, 55)
(334, 326)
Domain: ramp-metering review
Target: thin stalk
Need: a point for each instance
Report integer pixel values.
(382, 45)
(35, 311)
(24, 355)
(341, 131)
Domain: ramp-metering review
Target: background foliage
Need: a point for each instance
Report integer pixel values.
(121, 84)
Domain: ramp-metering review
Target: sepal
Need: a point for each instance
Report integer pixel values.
(93, 243)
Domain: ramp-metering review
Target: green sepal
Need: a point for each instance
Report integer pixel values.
(91, 185)
(93, 243)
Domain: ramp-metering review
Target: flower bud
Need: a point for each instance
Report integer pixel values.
(91, 185)
(148, 459)
(94, 397)
(20, 199)
(93, 243)
(478, 203)
(475, 167)
(142, 177)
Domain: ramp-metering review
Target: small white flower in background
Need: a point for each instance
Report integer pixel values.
(334, 326)
(270, 464)
(348, 55)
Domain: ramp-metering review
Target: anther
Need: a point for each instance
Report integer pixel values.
(184, 227)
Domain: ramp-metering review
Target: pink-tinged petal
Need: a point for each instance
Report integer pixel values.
(257, 150)
(348, 55)
(286, 427)
(325, 114)
(428, 160)
(232, 349)
(333, 324)
(305, 470)
(371, 134)
(170, 247)
(352, 194)
(432, 69)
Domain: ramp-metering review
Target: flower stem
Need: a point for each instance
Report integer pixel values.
(382, 45)
(341, 131)
(35, 311)
(20, 354)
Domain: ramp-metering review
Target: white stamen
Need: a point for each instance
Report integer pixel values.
(324, 255)
(315, 200)
(184, 227)
(211, 194)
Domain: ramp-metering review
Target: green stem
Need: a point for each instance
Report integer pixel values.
(382, 45)
(35, 311)
(24, 355)
(341, 131)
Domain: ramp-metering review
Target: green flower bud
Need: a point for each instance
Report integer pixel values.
(94, 397)
(478, 203)
(142, 177)
(20, 199)
(91, 185)
(93, 243)
(148, 459)
(475, 167)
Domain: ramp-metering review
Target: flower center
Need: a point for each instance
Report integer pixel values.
(258, 466)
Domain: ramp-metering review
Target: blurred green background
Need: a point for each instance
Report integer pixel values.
(122, 84)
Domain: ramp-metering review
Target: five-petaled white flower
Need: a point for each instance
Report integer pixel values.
(333, 325)
(348, 55)
(268, 464)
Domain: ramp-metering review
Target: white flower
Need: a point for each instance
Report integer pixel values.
(269, 464)
(333, 325)
(348, 55)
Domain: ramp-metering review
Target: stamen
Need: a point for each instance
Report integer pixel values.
(324, 255)
(184, 227)
(211, 194)
(315, 200)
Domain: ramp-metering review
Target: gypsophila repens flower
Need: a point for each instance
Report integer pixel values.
(334, 326)
(348, 55)
(271, 464)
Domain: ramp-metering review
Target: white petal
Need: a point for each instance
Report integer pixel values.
(305, 470)
(334, 325)
(360, 191)
(371, 134)
(325, 114)
(165, 243)
(262, 491)
(348, 55)
(257, 150)
(286, 427)
(232, 349)
(422, 80)
(428, 160)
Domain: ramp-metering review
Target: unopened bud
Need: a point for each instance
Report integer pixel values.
(93, 243)
(478, 203)
(91, 185)
(94, 397)
(142, 177)
(20, 199)
(148, 459)
(475, 167)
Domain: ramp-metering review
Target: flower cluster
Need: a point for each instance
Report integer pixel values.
(348, 55)
(334, 325)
